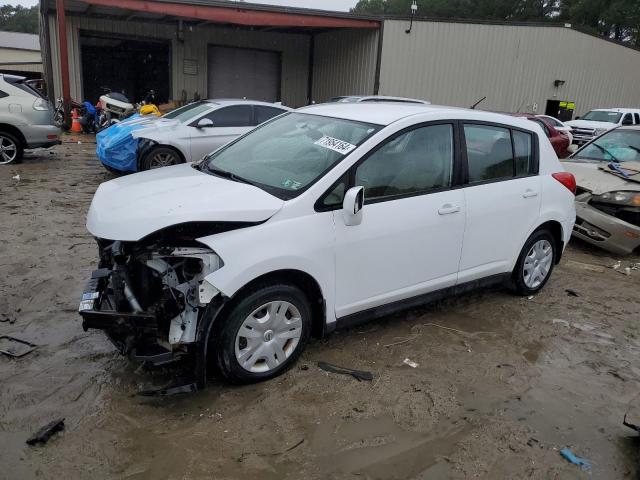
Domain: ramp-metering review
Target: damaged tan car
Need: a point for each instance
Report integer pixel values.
(607, 172)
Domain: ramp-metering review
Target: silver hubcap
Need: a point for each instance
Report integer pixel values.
(537, 263)
(162, 160)
(8, 150)
(268, 336)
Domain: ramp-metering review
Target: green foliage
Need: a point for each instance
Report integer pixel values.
(614, 19)
(16, 18)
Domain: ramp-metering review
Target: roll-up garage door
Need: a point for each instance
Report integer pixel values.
(243, 73)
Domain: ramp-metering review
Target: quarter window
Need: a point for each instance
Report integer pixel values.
(236, 116)
(417, 161)
(522, 146)
(637, 117)
(627, 120)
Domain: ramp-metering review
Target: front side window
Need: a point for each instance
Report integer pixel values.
(602, 116)
(235, 116)
(616, 145)
(290, 153)
(417, 161)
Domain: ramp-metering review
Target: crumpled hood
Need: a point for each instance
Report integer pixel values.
(158, 130)
(590, 124)
(597, 181)
(132, 207)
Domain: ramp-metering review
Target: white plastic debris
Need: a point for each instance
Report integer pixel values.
(411, 363)
(616, 265)
(16, 178)
(530, 297)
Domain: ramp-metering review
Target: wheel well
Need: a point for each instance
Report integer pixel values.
(555, 228)
(301, 280)
(160, 145)
(15, 132)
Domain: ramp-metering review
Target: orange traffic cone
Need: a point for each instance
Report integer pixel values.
(75, 121)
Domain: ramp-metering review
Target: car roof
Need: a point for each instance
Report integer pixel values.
(379, 98)
(617, 109)
(243, 101)
(382, 113)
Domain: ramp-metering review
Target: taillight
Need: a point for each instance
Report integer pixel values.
(567, 179)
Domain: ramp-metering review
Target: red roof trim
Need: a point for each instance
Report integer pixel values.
(237, 15)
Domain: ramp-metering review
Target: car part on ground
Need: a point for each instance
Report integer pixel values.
(26, 118)
(238, 259)
(607, 170)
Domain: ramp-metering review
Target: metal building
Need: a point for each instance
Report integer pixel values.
(20, 54)
(208, 48)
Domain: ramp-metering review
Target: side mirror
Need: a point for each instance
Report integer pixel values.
(352, 206)
(204, 123)
(573, 148)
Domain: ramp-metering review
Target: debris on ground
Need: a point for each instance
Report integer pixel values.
(560, 321)
(4, 318)
(357, 374)
(16, 178)
(169, 391)
(405, 340)
(616, 265)
(569, 456)
(27, 347)
(45, 433)
(571, 292)
(410, 362)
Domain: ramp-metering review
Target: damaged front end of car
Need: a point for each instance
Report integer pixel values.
(151, 298)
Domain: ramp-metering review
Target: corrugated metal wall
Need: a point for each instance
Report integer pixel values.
(294, 49)
(514, 66)
(344, 63)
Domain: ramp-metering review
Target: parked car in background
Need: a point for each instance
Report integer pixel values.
(26, 119)
(596, 122)
(325, 216)
(199, 130)
(558, 125)
(375, 98)
(559, 140)
(607, 172)
(182, 135)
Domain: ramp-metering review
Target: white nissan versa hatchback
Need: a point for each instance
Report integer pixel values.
(324, 216)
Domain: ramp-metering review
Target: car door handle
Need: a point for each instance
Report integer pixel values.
(448, 209)
(529, 194)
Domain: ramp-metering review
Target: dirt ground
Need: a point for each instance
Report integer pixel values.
(502, 382)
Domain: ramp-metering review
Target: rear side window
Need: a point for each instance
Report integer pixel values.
(497, 153)
(627, 119)
(266, 113)
(637, 116)
(236, 116)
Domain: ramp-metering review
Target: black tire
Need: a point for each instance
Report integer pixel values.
(519, 274)
(7, 139)
(161, 156)
(222, 345)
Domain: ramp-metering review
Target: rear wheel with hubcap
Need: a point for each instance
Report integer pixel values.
(161, 157)
(263, 334)
(10, 149)
(535, 263)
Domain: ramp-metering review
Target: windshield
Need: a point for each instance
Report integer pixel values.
(186, 113)
(602, 116)
(289, 153)
(616, 146)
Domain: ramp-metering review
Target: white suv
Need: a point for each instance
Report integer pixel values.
(322, 217)
(596, 122)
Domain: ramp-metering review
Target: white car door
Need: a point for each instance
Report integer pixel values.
(503, 198)
(410, 237)
(228, 123)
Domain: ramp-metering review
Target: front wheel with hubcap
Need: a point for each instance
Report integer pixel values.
(161, 157)
(10, 149)
(535, 263)
(263, 334)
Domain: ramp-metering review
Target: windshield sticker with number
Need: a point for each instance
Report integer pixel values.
(335, 144)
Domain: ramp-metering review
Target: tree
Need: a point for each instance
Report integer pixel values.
(615, 19)
(16, 18)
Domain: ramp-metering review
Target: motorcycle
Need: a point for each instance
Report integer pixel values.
(115, 107)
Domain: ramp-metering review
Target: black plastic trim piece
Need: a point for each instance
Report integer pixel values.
(390, 308)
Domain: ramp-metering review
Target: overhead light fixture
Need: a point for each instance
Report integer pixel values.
(414, 9)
